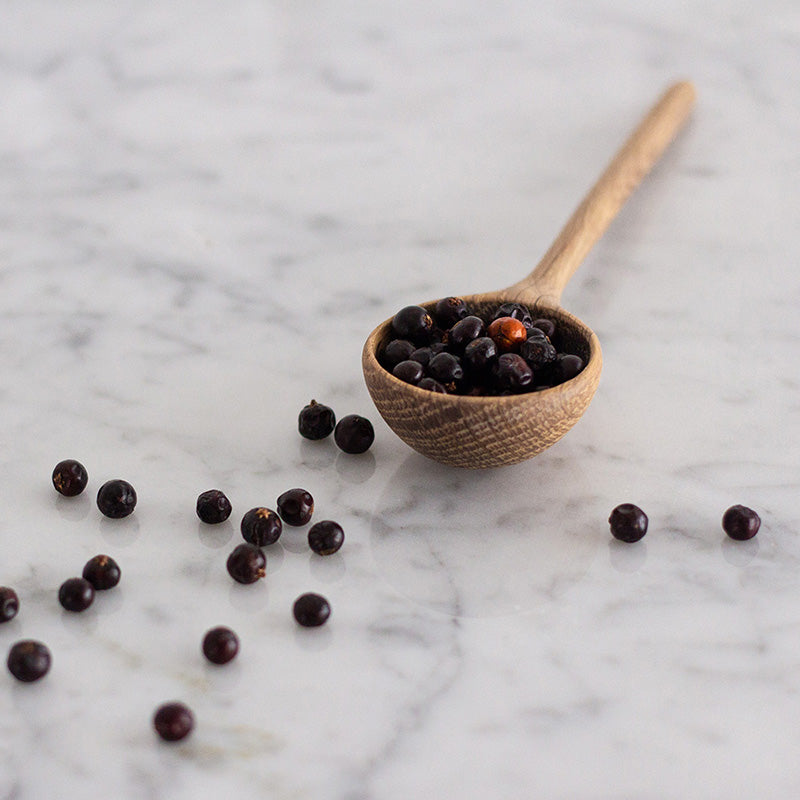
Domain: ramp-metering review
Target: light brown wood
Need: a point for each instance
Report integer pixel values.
(480, 432)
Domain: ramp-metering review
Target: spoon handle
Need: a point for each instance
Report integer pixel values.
(591, 218)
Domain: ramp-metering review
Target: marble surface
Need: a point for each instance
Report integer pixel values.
(206, 207)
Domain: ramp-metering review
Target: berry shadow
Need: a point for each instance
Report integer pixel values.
(356, 468)
(215, 536)
(625, 557)
(327, 569)
(739, 554)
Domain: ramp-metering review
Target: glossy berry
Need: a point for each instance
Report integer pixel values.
(213, 507)
(546, 326)
(296, 506)
(325, 537)
(432, 385)
(569, 366)
(422, 355)
(450, 310)
(311, 610)
(538, 351)
(9, 603)
(354, 434)
(396, 351)
(414, 323)
(741, 523)
(70, 477)
(479, 355)
(464, 331)
(628, 523)
(507, 333)
(515, 311)
(76, 594)
(116, 499)
(409, 371)
(28, 660)
(316, 421)
(261, 526)
(446, 368)
(102, 572)
(173, 722)
(246, 564)
(512, 373)
(220, 645)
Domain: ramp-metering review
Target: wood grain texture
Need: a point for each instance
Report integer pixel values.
(479, 432)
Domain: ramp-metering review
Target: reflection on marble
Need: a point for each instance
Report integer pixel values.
(206, 208)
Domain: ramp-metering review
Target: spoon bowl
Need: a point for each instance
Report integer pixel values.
(479, 432)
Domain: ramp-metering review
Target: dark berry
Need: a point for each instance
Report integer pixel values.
(116, 499)
(464, 331)
(9, 603)
(479, 355)
(220, 645)
(261, 526)
(628, 523)
(102, 572)
(446, 368)
(28, 660)
(414, 323)
(512, 373)
(422, 355)
(569, 366)
(409, 371)
(546, 326)
(432, 386)
(507, 333)
(515, 311)
(297, 505)
(450, 310)
(354, 434)
(325, 537)
(316, 421)
(396, 351)
(70, 477)
(76, 594)
(173, 722)
(741, 523)
(213, 507)
(538, 352)
(246, 564)
(311, 610)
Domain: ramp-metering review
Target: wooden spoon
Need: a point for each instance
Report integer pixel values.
(466, 431)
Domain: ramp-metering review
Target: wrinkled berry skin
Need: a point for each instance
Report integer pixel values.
(396, 351)
(413, 323)
(354, 434)
(450, 310)
(295, 506)
(76, 594)
(311, 610)
(507, 333)
(409, 371)
(173, 722)
(741, 523)
(246, 564)
(538, 352)
(464, 331)
(515, 311)
(628, 523)
(9, 604)
(102, 572)
(325, 537)
(261, 526)
(220, 645)
(213, 507)
(28, 660)
(512, 373)
(480, 355)
(446, 368)
(70, 477)
(116, 499)
(316, 421)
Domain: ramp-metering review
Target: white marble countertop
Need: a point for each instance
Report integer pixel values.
(206, 207)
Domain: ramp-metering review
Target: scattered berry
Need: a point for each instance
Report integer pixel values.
(220, 645)
(173, 722)
(246, 564)
(628, 523)
(213, 507)
(741, 523)
(296, 506)
(311, 610)
(116, 499)
(70, 477)
(325, 537)
(9, 603)
(316, 421)
(102, 572)
(261, 526)
(28, 660)
(354, 434)
(76, 594)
